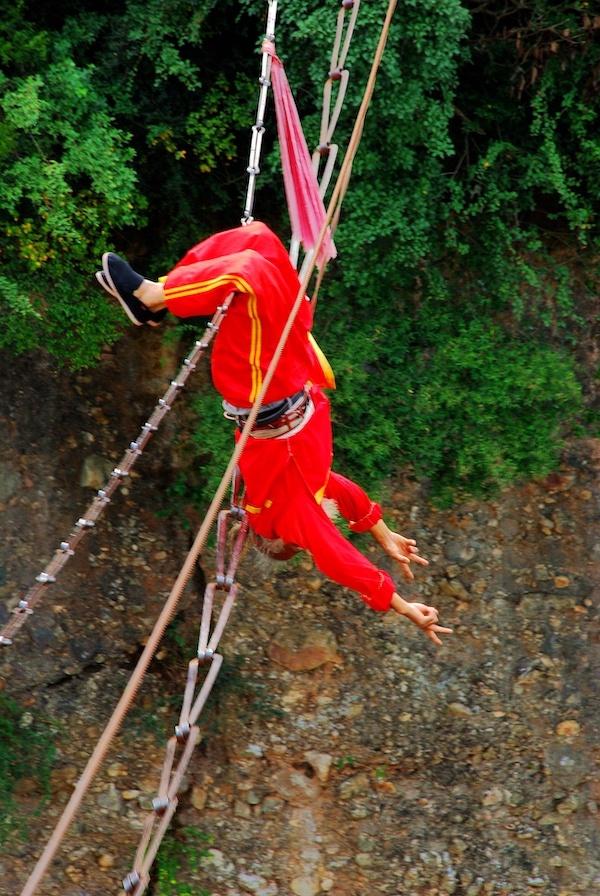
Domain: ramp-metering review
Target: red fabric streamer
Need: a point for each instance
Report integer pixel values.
(306, 208)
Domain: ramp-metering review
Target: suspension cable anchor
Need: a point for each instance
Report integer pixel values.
(131, 881)
(182, 732)
(45, 579)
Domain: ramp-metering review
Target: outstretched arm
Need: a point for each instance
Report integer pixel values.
(310, 528)
(364, 515)
(403, 550)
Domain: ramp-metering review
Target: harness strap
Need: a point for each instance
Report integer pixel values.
(290, 422)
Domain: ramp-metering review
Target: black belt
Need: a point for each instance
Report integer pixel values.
(289, 421)
(270, 415)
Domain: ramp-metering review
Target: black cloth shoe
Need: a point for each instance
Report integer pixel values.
(119, 279)
(155, 316)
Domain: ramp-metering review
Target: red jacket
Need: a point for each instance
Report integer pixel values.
(253, 262)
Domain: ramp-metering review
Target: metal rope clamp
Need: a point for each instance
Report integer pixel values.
(160, 804)
(182, 732)
(131, 881)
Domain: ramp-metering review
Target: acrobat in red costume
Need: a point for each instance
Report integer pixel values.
(286, 476)
(286, 463)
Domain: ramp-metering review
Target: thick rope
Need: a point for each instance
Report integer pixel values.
(187, 569)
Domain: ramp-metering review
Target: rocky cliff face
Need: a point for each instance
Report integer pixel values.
(341, 753)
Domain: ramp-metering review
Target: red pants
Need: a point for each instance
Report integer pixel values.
(286, 480)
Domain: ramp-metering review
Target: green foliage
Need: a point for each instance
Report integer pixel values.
(21, 318)
(179, 857)
(26, 751)
(66, 182)
(211, 442)
(205, 450)
(472, 211)
(487, 410)
(345, 762)
(103, 115)
(447, 316)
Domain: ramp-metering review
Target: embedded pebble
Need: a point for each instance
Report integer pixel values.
(304, 886)
(568, 728)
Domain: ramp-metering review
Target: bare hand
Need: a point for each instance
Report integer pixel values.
(403, 550)
(424, 617)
